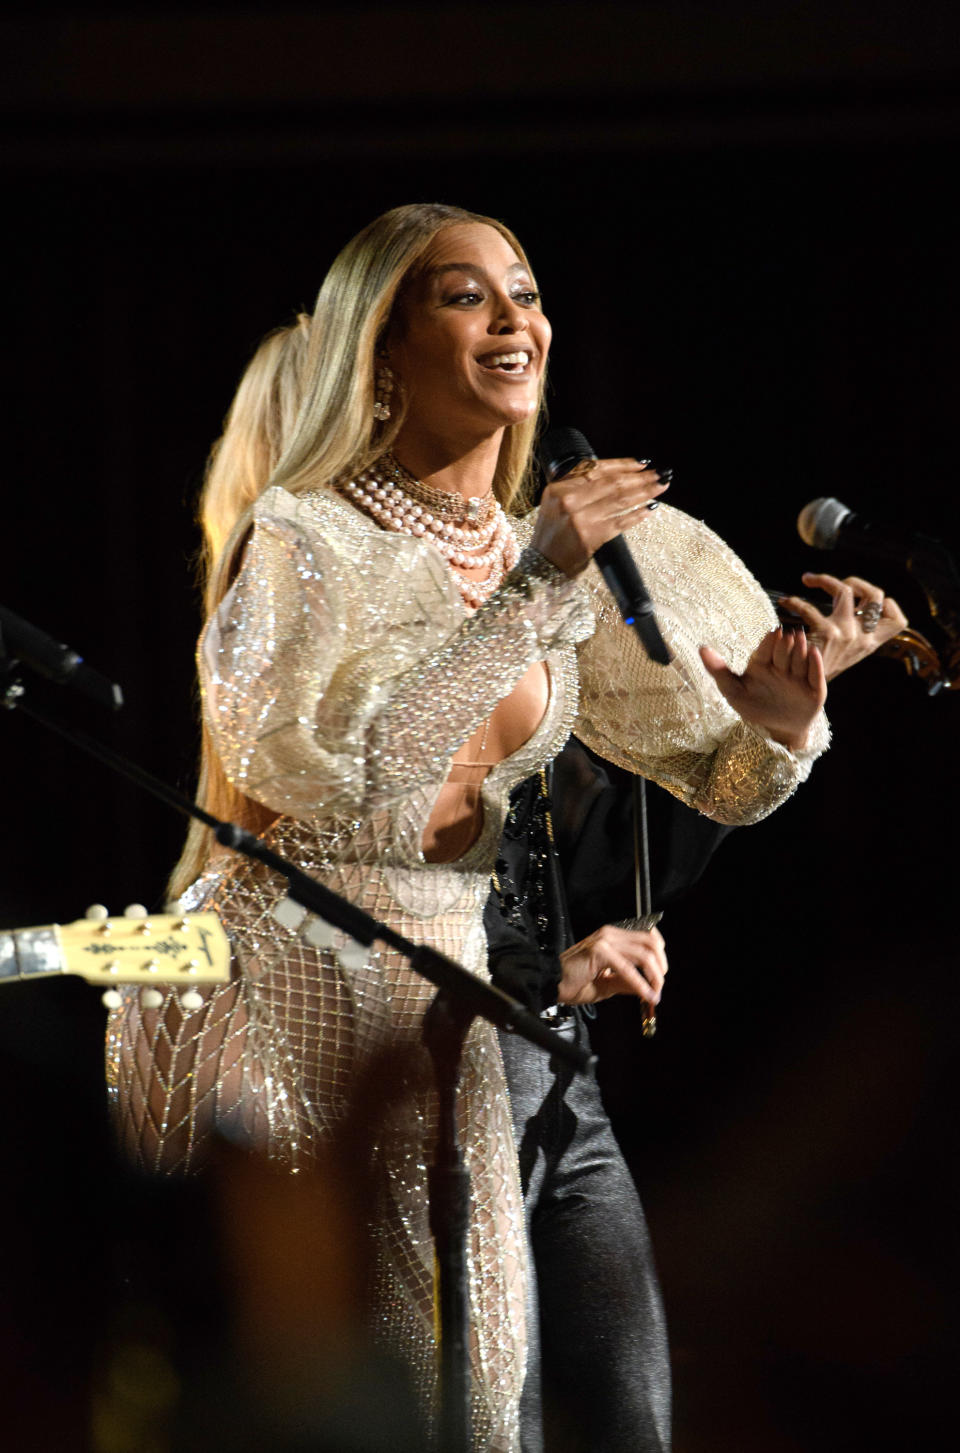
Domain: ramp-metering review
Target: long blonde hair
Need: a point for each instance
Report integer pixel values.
(259, 421)
(312, 423)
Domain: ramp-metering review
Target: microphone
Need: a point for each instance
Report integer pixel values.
(20, 641)
(827, 524)
(560, 451)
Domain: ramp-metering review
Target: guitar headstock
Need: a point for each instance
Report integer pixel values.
(179, 949)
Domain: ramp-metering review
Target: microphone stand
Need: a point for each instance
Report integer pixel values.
(460, 999)
(445, 1027)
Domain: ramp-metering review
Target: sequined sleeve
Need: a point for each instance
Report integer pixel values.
(341, 671)
(672, 724)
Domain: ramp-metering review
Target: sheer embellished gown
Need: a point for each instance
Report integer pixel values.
(340, 675)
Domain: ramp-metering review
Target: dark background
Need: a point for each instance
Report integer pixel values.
(740, 220)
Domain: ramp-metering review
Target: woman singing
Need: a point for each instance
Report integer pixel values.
(388, 652)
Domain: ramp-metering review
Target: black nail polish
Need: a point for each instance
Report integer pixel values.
(644, 463)
(654, 504)
(665, 475)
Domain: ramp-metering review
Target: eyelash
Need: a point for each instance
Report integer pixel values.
(529, 295)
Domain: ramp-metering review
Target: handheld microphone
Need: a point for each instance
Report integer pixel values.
(560, 451)
(20, 641)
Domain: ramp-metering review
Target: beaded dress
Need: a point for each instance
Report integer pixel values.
(340, 675)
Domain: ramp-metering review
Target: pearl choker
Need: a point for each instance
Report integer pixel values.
(472, 533)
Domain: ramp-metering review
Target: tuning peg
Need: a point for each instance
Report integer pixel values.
(151, 998)
(96, 913)
(134, 910)
(191, 999)
(175, 909)
(111, 998)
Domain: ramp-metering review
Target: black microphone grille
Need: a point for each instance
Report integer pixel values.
(562, 449)
(818, 523)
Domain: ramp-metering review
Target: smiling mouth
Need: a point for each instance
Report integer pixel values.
(510, 363)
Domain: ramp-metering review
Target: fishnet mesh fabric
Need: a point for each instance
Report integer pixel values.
(317, 693)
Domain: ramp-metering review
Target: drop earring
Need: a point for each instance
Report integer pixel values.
(383, 389)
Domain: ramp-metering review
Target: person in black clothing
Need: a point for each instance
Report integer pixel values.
(565, 878)
(602, 1334)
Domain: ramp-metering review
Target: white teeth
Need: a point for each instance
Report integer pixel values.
(500, 358)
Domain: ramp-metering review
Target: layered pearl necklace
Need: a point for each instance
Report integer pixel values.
(473, 533)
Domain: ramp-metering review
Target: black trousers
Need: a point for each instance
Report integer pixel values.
(598, 1372)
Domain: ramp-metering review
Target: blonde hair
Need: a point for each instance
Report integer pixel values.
(258, 423)
(329, 433)
(260, 420)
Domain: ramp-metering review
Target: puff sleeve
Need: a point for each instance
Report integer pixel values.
(672, 724)
(341, 670)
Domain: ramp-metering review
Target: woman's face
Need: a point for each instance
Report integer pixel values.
(472, 342)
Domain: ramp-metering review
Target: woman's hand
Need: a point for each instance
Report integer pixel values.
(782, 689)
(580, 512)
(614, 961)
(844, 636)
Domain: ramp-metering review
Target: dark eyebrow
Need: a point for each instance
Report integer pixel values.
(472, 267)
